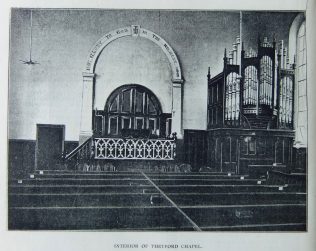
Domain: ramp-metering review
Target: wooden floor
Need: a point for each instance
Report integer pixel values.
(113, 201)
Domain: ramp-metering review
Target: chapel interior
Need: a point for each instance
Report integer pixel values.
(119, 116)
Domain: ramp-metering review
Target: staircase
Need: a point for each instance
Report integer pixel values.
(258, 122)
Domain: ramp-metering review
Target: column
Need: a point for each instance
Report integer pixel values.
(86, 130)
(177, 107)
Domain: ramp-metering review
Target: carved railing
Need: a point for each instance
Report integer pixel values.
(133, 148)
(80, 155)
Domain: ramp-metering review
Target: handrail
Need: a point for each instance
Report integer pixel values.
(74, 151)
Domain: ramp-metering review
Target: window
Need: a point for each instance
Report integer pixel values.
(301, 91)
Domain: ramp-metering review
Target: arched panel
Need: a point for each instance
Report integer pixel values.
(266, 81)
(286, 101)
(132, 107)
(250, 85)
(232, 96)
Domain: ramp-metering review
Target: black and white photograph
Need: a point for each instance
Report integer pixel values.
(157, 125)
(157, 120)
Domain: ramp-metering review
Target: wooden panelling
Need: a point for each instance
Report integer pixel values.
(195, 148)
(22, 156)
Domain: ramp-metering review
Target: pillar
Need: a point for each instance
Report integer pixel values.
(86, 130)
(177, 107)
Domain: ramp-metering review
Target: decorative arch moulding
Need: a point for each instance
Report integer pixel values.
(134, 31)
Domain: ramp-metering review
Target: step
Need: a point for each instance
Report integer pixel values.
(135, 181)
(137, 175)
(97, 218)
(259, 227)
(93, 200)
(237, 198)
(80, 182)
(22, 188)
(129, 199)
(134, 172)
(228, 215)
(138, 218)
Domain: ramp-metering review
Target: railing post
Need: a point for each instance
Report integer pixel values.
(174, 145)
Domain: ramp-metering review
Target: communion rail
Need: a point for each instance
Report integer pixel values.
(134, 148)
(120, 149)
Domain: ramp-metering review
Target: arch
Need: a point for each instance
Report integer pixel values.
(296, 24)
(134, 31)
(88, 94)
(300, 97)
